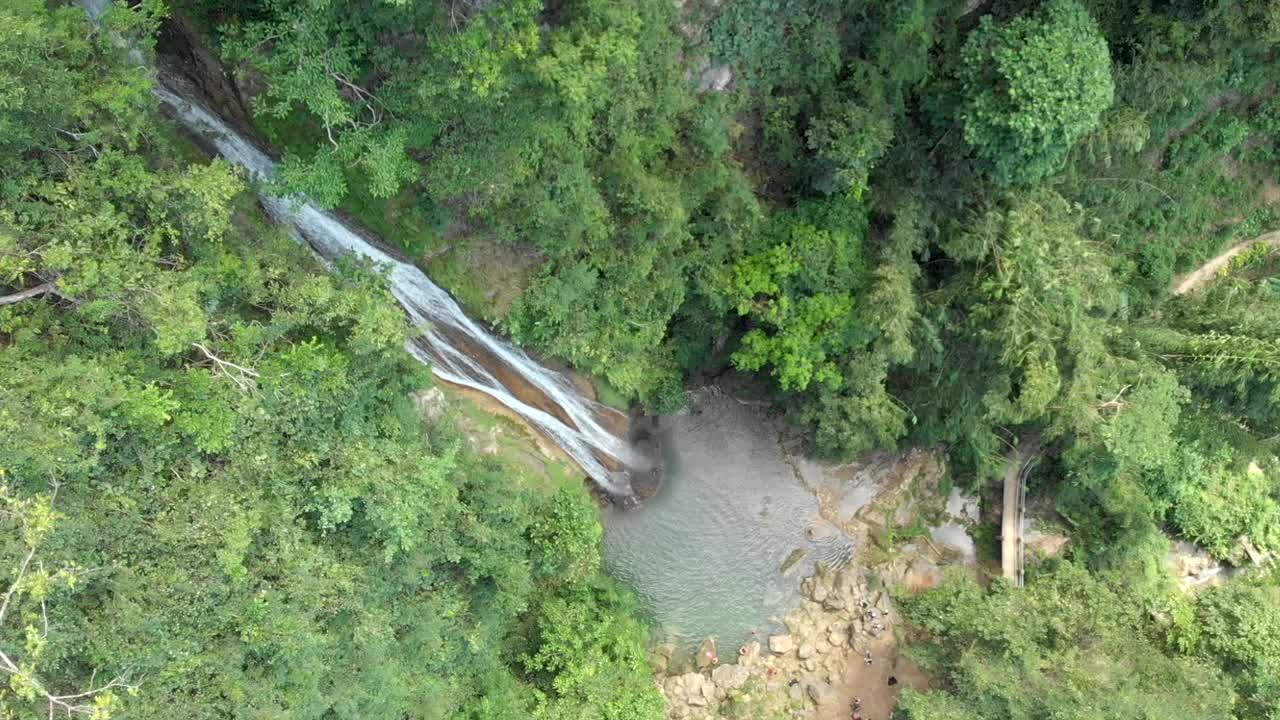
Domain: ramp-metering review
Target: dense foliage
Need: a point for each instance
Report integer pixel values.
(216, 496)
(1068, 646)
(916, 222)
(1032, 88)
(1075, 644)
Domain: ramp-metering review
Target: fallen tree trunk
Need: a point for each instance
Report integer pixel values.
(29, 293)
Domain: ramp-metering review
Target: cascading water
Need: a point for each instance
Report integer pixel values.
(457, 349)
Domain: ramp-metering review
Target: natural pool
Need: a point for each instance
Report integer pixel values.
(706, 554)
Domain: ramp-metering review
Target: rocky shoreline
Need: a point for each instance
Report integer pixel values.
(813, 670)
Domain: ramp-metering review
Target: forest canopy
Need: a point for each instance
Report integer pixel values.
(974, 225)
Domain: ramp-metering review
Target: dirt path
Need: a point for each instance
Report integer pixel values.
(1199, 277)
(871, 683)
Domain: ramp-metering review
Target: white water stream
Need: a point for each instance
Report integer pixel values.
(457, 349)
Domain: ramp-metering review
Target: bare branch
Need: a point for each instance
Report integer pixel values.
(29, 293)
(1115, 402)
(17, 581)
(243, 377)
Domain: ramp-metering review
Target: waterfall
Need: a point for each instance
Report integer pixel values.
(457, 350)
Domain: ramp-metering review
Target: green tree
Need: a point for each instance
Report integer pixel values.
(25, 623)
(1065, 646)
(1240, 626)
(799, 290)
(267, 526)
(1032, 87)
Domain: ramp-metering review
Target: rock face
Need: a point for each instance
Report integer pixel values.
(181, 52)
(1044, 545)
(780, 644)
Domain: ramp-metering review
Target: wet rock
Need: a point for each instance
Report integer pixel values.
(780, 644)
(1193, 567)
(749, 652)
(660, 658)
(792, 562)
(963, 507)
(707, 655)
(730, 677)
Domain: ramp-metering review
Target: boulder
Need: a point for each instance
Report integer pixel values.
(749, 652)
(659, 664)
(730, 677)
(820, 593)
(1043, 544)
(822, 694)
(837, 638)
(921, 575)
(431, 404)
(710, 692)
(780, 644)
(806, 587)
(660, 658)
(822, 647)
(715, 79)
(690, 689)
(792, 562)
(806, 651)
(707, 655)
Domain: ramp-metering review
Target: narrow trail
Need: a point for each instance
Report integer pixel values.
(1202, 275)
(1015, 493)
